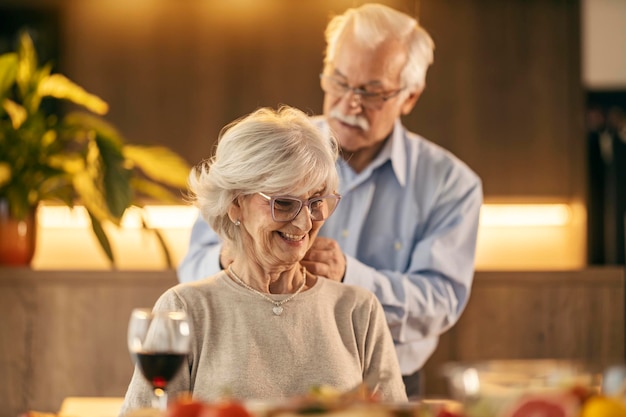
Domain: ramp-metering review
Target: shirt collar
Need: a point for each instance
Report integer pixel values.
(395, 152)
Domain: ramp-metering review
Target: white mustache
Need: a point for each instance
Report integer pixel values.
(352, 120)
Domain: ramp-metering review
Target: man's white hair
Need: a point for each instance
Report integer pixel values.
(373, 24)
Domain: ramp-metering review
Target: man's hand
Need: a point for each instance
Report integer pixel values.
(325, 259)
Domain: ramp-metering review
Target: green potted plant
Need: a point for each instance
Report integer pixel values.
(72, 158)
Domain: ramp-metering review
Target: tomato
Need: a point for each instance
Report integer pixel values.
(225, 408)
(547, 405)
(185, 407)
(445, 412)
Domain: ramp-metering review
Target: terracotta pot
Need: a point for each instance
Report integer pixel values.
(17, 237)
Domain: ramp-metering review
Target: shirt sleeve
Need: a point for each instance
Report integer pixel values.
(430, 296)
(203, 255)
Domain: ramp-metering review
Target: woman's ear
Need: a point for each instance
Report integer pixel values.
(234, 211)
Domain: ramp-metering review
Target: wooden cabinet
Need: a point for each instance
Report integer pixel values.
(63, 333)
(537, 315)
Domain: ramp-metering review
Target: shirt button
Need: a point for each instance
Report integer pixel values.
(397, 246)
(344, 233)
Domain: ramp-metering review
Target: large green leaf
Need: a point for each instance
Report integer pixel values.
(27, 64)
(16, 113)
(98, 230)
(5, 173)
(159, 163)
(59, 86)
(58, 187)
(160, 239)
(81, 121)
(116, 177)
(155, 191)
(8, 72)
(70, 162)
(93, 198)
(32, 99)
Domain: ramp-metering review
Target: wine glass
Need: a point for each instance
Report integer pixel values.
(159, 342)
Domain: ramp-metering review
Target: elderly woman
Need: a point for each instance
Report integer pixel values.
(265, 328)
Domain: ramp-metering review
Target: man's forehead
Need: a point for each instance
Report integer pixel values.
(362, 64)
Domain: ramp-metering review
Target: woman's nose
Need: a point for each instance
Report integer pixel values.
(303, 220)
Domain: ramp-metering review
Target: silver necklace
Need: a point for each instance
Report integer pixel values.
(278, 305)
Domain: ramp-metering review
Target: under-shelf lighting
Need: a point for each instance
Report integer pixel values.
(178, 217)
(159, 217)
(525, 215)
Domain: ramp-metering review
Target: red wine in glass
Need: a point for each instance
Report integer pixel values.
(159, 342)
(160, 367)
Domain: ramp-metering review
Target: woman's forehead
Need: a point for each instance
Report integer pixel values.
(302, 189)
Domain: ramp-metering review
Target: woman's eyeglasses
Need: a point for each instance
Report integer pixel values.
(287, 208)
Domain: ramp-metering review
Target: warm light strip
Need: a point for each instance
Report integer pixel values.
(525, 215)
(174, 217)
(160, 217)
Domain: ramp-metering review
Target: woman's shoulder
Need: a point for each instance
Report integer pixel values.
(196, 295)
(201, 287)
(347, 290)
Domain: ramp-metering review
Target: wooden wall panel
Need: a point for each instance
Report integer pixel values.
(504, 93)
(15, 339)
(176, 73)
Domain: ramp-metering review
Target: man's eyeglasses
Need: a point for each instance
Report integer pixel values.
(286, 208)
(369, 99)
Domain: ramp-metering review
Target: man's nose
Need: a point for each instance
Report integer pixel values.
(352, 102)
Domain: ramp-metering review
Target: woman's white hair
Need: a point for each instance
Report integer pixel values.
(271, 151)
(373, 24)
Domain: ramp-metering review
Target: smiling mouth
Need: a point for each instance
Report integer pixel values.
(290, 237)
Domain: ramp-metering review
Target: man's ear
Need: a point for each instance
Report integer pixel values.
(409, 102)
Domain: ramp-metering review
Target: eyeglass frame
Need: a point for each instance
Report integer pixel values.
(360, 92)
(303, 203)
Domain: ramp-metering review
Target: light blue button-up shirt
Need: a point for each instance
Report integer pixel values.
(407, 225)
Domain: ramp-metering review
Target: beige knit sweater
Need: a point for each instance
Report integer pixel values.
(331, 334)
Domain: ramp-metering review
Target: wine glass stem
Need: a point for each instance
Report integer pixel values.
(160, 399)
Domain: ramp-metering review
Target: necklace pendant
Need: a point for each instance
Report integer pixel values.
(278, 310)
